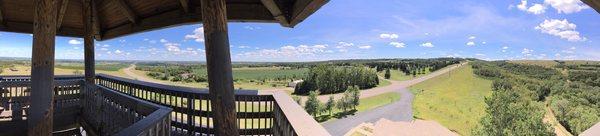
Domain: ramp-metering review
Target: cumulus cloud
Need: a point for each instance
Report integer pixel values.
(504, 48)
(103, 49)
(398, 44)
(172, 47)
(163, 40)
(427, 44)
(287, 51)
(105, 45)
(243, 47)
(75, 41)
(534, 9)
(560, 28)
(388, 36)
(118, 51)
(365, 47)
(198, 35)
(470, 43)
(342, 45)
(566, 6)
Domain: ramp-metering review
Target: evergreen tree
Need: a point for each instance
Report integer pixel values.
(387, 74)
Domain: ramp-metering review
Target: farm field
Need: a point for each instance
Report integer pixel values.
(245, 78)
(455, 100)
(26, 70)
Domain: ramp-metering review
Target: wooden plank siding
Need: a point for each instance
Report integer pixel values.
(115, 19)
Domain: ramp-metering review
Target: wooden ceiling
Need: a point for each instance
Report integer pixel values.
(116, 18)
(593, 3)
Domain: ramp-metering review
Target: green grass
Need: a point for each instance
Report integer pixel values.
(398, 75)
(455, 100)
(261, 73)
(365, 105)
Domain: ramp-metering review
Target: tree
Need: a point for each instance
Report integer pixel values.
(387, 74)
(312, 104)
(354, 96)
(344, 103)
(330, 104)
(77, 72)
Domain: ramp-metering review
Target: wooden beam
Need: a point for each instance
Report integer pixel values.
(96, 21)
(61, 13)
(236, 13)
(39, 117)
(304, 8)
(218, 60)
(127, 11)
(276, 12)
(88, 41)
(1, 15)
(27, 28)
(595, 4)
(185, 5)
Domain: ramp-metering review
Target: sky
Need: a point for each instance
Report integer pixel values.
(367, 29)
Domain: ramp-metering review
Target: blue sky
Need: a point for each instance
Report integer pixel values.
(350, 29)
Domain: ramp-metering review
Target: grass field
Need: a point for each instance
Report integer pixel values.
(455, 100)
(26, 70)
(398, 75)
(365, 105)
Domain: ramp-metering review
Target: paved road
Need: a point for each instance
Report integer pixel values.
(398, 111)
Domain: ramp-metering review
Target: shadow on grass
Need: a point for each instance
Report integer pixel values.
(337, 115)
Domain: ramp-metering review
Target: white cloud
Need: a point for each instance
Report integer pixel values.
(534, 9)
(252, 27)
(243, 47)
(537, 9)
(472, 37)
(523, 5)
(163, 40)
(75, 41)
(103, 49)
(504, 48)
(342, 45)
(398, 44)
(365, 47)
(427, 44)
(526, 52)
(566, 6)
(105, 45)
(287, 51)
(470, 43)
(479, 54)
(388, 36)
(198, 35)
(172, 47)
(118, 51)
(483, 42)
(560, 28)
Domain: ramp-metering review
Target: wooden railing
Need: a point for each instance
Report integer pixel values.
(14, 104)
(108, 112)
(103, 111)
(258, 114)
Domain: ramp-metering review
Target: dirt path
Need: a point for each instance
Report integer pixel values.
(550, 118)
(129, 72)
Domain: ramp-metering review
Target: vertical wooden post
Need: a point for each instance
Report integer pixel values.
(88, 41)
(39, 117)
(218, 59)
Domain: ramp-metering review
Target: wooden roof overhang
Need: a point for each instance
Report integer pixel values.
(593, 3)
(116, 18)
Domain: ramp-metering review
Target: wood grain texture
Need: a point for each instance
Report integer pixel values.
(88, 41)
(185, 5)
(42, 69)
(61, 14)
(218, 59)
(277, 12)
(126, 10)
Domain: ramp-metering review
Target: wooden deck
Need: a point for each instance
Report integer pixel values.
(119, 106)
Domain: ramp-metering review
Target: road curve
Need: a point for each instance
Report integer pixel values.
(400, 110)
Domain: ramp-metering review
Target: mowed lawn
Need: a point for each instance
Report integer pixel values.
(455, 100)
(365, 104)
(398, 75)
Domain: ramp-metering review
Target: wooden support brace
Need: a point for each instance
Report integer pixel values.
(276, 12)
(127, 10)
(61, 13)
(185, 5)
